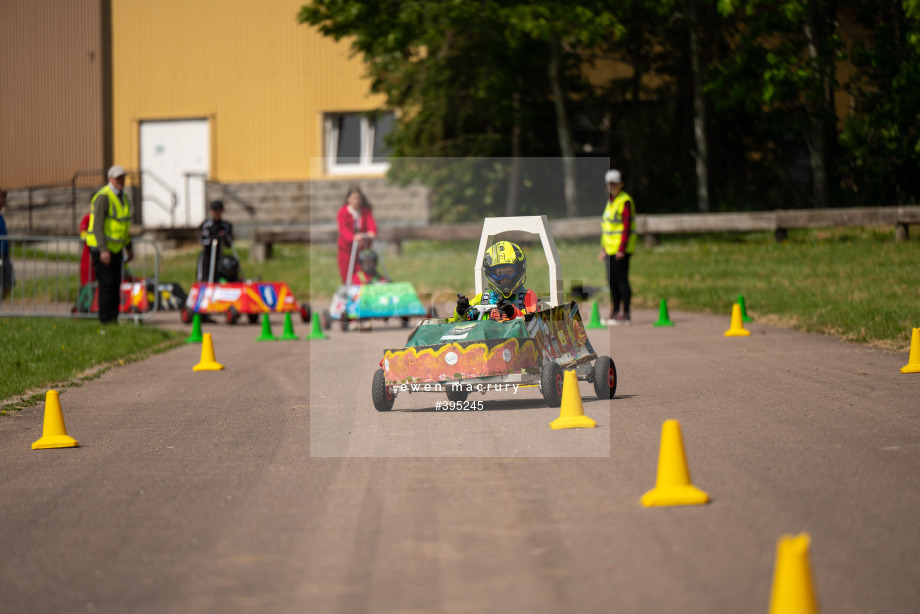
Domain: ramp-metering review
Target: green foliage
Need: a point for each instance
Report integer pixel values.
(467, 76)
(882, 137)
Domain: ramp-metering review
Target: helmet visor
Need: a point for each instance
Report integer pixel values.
(504, 271)
(505, 278)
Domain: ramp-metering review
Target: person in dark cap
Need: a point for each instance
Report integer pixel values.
(214, 228)
(109, 240)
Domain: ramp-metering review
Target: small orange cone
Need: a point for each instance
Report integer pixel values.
(793, 592)
(54, 433)
(737, 326)
(572, 412)
(673, 486)
(208, 360)
(913, 359)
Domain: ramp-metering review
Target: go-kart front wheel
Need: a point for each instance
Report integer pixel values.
(383, 395)
(457, 395)
(252, 317)
(305, 312)
(232, 315)
(605, 377)
(325, 319)
(551, 383)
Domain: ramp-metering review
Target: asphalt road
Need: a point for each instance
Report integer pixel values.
(274, 486)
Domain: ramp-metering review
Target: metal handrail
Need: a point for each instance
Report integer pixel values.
(141, 174)
(235, 197)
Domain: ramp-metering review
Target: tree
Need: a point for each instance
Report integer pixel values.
(472, 78)
(570, 30)
(881, 138)
(794, 46)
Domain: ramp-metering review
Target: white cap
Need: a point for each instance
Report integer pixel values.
(613, 176)
(116, 171)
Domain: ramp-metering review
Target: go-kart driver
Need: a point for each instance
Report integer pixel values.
(366, 272)
(505, 267)
(216, 228)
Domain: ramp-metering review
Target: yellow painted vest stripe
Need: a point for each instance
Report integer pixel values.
(117, 221)
(612, 225)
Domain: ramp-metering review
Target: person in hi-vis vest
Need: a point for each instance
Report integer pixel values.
(109, 240)
(618, 242)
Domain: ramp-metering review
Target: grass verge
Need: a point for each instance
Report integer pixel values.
(41, 353)
(857, 284)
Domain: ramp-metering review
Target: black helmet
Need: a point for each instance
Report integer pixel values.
(228, 267)
(368, 257)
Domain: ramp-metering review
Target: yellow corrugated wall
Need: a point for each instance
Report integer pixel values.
(262, 79)
(51, 89)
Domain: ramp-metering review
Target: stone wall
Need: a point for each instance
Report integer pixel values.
(316, 203)
(291, 203)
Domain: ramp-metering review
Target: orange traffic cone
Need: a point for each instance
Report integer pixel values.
(572, 412)
(54, 433)
(208, 360)
(673, 486)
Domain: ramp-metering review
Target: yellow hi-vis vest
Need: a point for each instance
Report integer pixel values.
(612, 225)
(117, 221)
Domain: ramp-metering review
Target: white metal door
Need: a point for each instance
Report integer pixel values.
(175, 160)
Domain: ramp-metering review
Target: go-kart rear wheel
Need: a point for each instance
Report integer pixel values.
(185, 315)
(383, 395)
(457, 396)
(344, 324)
(551, 383)
(404, 322)
(305, 312)
(232, 315)
(605, 377)
(252, 317)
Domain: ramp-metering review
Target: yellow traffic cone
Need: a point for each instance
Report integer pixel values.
(208, 360)
(54, 433)
(572, 412)
(673, 486)
(913, 359)
(737, 326)
(792, 592)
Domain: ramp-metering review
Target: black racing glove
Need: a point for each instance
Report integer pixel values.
(506, 307)
(463, 305)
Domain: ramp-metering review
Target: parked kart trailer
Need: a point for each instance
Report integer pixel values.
(135, 296)
(457, 358)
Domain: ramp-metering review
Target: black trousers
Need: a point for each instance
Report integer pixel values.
(618, 278)
(109, 279)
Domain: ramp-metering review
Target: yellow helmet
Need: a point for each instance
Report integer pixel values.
(505, 267)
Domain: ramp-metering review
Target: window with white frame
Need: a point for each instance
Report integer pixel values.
(356, 142)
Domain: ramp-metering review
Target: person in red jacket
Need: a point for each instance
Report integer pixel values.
(356, 223)
(87, 272)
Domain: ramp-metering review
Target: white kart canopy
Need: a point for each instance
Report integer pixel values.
(534, 224)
